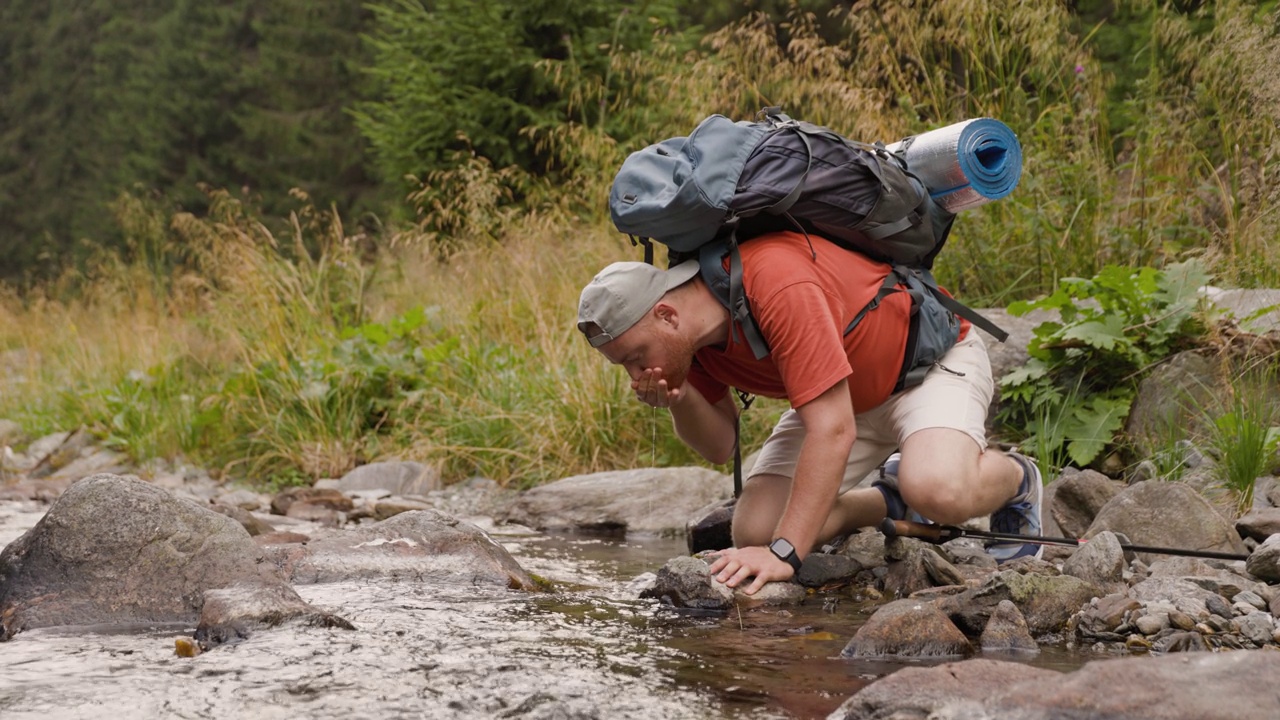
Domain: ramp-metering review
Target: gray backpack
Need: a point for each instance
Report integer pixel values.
(727, 182)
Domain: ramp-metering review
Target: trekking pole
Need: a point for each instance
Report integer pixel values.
(938, 534)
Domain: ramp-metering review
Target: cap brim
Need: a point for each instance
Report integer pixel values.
(682, 273)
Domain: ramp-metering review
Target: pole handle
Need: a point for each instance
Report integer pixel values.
(905, 528)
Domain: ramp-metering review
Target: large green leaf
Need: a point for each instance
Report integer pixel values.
(1092, 426)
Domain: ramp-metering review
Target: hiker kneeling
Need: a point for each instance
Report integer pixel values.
(841, 348)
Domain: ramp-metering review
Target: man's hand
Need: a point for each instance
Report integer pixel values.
(733, 566)
(652, 389)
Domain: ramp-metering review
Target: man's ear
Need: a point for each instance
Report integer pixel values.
(667, 313)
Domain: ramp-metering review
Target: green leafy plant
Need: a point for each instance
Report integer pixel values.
(1075, 391)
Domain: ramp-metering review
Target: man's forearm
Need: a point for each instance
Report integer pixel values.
(819, 472)
(706, 428)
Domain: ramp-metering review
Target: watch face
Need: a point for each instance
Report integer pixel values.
(782, 548)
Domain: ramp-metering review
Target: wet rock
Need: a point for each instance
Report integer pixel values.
(1078, 497)
(909, 564)
(773, 593)
(1099, 561)
(865, 547)
(654, 500)
(118, 550)
(1047, 602)
(917, 693)
(1217, 605)
(1166, 514)
(234, 612)
(1257, 626)
(422, 545)
(686, 582)
(1007, 631)
(1251, 598)
(1259, 524)
(908, 628)
(321, 498)
(1264, 563)
(250, 522)
(396, 477)
(1180, 642)
(1104, 616)
(711, 527)
(821, 569)
(1178, 687)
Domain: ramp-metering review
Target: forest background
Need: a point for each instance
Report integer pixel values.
(283, 239)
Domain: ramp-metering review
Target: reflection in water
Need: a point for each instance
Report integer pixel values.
(588, 649)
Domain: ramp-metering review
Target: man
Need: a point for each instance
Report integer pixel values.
(682, 352)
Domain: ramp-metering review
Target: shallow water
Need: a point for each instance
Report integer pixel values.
(587, 649)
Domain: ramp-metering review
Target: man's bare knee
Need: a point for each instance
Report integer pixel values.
(939, 499)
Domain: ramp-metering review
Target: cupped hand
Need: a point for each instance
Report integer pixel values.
(735, 565)
(651, 388)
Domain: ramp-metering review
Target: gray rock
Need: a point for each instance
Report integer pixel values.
(420, 546)
(1103, 616)
(316, 497)
(711, 527)
(231, 613)
(1257, 626)
(1078, 496)
(867, 548)
(1166, 514)
(821, 569)
(241, 498)
(118, 550)
(1047, 602)
(1152, 688)
(1170, 399)
(250, 522)
(396, 477)
(686, 582)
(1259, 524)
(391, 507)
(1264, 563)
(1099, 561)
(909, 566)
(1152, 623)
(1007, 631)
(654, 500)
(908, 628)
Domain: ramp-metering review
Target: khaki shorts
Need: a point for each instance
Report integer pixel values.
(956, 395)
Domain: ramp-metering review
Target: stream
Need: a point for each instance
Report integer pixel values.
(587, 649)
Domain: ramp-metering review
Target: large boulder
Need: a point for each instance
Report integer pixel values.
(1174, 687)
(652, 500)
(1171, 400)
(115, 550)
(421, 545)
(1078, 496)
(908, 628)
(1166, 514)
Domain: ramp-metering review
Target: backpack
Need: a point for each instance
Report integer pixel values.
(727, 182)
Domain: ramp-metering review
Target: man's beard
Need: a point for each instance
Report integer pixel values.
(681, 360)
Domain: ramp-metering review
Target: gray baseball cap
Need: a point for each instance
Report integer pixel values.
(619, 295)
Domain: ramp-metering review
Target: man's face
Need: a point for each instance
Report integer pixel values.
(649, 344)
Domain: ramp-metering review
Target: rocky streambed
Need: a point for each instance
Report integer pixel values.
(159, 592)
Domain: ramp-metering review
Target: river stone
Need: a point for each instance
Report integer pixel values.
(241, 498)
(253, 524)
(916, 693)
(1259, 524)
(319, 498)
(231, 613)
(711, 527)
(1078, 496)
(1228, 685)
(1257, 626)
(1007, 631)
(396, 477)
(1166, 514)
(390, 507)
(1103, 616)
(1099, 561)
(649, 500)
(66, 452)
(908, 628)
(821, 569)
(908, 569)
(118, 550)
(1264, 563)
(686, 582)
(417, 546)
(1170, 399)
(1046, 601)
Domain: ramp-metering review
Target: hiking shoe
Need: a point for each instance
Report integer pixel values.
(1020, 516)
(888, 486)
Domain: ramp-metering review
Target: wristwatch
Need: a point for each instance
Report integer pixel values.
(786, 552)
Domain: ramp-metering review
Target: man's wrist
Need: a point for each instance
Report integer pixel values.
(786, 552)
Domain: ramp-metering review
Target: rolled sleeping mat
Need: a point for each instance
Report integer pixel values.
(967, 164)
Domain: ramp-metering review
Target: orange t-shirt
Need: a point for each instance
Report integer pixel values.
(802, 306)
